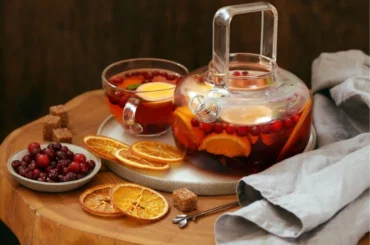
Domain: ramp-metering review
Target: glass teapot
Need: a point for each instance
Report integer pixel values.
(242, 109)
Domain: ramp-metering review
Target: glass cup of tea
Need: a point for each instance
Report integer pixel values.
(139, 93)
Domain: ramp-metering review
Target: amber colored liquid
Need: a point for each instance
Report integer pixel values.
(265, 150)
(154, 117)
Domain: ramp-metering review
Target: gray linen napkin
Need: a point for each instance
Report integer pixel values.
(322, 196)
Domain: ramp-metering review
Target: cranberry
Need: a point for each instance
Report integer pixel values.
(50, 153)
(36, 173)
(136, 73)
(42, 179)
(24, 164)
(122, 102)
(90, 164)
(33, 145)
(70, 176)
(116, 80)
(194, 122)
(288, 122)
(277, 126)
(207, 128)
(64, 148)
(29, 174)
(83, 168)
(53, 164)
(65, 170)
(49, 180)
(70, 155)
(242, 131)
(266, 129)
(255, 130)
(217, 128)
(35, 151)
(50, 146)
(57, 146)
(53, 174)
(155, 73)
(42, 160)
(244, 73)
(128, 74)
(80, 176)
(43, 174)
(27, 158)
(79, 158)
(236, 73)
(32, 166)
(113, 100)
(48, 169)
(148, 77)
(61, 155)
(230, 129)
(23, 172)
(163, 74)
(296, 118)
(170, 77)
(16, 164)
(74, 167)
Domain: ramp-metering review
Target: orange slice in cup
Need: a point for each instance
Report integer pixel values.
(156, 151)
(139, 202)
(126, 158)
(298, 131)
(103, 146)
(225, 144)
(97, 201)
(190, 137)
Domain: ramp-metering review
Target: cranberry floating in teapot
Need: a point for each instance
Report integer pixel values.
(243, 109)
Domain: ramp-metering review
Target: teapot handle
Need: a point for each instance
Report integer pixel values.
(221, 35)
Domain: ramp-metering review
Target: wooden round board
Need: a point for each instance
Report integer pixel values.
(192, 173)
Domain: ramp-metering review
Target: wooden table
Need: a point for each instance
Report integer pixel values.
(39, 218)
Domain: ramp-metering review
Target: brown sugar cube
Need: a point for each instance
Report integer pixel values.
(50, 123)
(184, 200)
(62, 135)
(60, 111)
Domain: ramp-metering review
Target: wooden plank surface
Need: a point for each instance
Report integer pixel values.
(38, 218)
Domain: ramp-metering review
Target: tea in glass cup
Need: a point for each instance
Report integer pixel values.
(139, 93)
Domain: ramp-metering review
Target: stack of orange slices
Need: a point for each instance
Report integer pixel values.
(149, 155)
(114, 200)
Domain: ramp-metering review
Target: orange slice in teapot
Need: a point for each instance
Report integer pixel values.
(190, 137)
(298, 131)
(225, 144)
(247, 114)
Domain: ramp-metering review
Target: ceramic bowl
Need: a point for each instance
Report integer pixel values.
(54, 186)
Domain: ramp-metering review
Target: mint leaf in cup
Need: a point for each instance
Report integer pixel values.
(133, 86)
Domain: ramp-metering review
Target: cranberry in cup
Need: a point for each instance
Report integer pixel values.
(139, 93)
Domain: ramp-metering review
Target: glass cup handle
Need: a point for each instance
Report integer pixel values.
(128, 116)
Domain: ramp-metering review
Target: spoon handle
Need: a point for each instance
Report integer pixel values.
(214, 210)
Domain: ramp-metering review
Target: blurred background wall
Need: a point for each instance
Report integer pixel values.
(51, 51)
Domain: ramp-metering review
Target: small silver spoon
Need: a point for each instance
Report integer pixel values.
(182, 219)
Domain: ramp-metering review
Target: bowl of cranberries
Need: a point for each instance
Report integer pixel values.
(53, 167)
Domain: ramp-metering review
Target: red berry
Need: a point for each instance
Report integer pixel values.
(148, 77)
(277, 126)
(74, 167)
(16, 164)
(34, 145)
(27, 158)
(255, 130)
(116, 80)
(79, 158)
(64, 148)
(244, 73)
(194, 122)
(230, 129)
(118, 94)
(242, 131)
(288, 122)
(207, 128)
(236, 73)
(36, 173)
(65, 170)
(296, 118)
(128, 74)
(155, 73)
(171, 77)
(83, 168)
(50, 153)
(122, 102)
(113, 100)
(135, 73)
(217, 128)
(266, 129)
(42, 160)
(90, 164)
(163, 74)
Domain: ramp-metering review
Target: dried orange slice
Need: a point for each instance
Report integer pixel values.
(190, 137)
(225, 144)
(299, 130)
(156, 151)
(139, 202)
(103, 146)
(125, 157)
(97, 201)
